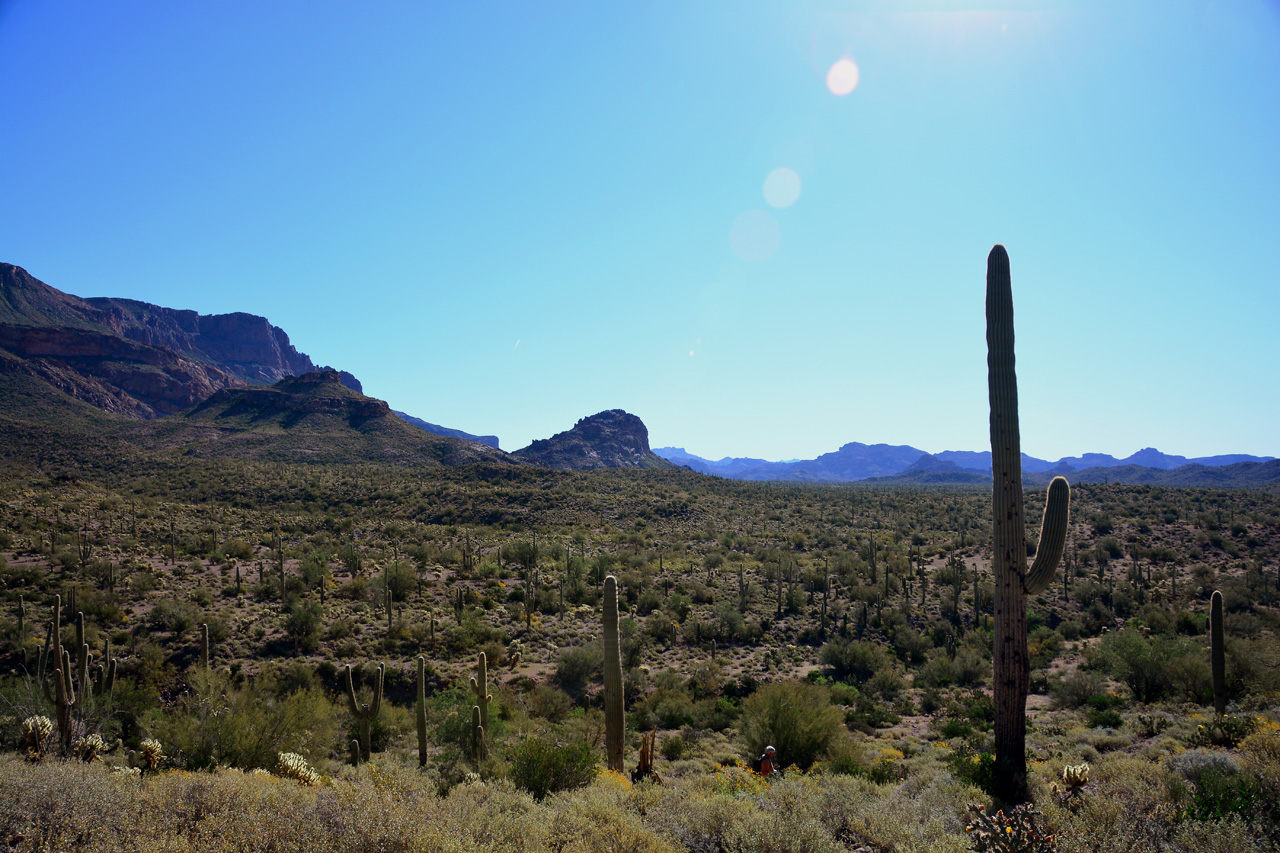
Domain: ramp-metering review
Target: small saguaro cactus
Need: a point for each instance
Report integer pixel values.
(204, 646)
(614, 715)
(480, 686)
(1013, 580)
(478, 751)
(1218, 654)
(365, 713)
(420, 711)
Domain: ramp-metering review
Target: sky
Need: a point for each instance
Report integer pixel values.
(762, 227)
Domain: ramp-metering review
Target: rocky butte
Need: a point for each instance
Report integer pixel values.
(610, 439)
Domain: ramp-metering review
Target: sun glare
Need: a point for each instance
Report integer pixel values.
(843, 77)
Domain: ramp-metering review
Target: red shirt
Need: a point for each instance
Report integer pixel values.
(766, 766)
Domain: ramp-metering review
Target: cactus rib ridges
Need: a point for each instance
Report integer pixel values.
(1053, 538)
(614, 714)
(1217, 653)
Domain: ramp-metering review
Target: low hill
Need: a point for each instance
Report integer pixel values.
(610, 439)
(313, 417)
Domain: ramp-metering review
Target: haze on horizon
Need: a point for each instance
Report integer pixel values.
(761, 228)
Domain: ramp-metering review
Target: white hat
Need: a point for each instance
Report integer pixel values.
(769, 749)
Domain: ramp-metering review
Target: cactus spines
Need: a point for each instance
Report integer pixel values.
(35, 737)
(364, 713)
(614, 718)
(420, 711)
(1218, 654)
(480, 686)
(1013, 581)
(152, 754)
(477, 735)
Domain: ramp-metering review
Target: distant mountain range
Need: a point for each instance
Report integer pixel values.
(902, 463)
(113, 374)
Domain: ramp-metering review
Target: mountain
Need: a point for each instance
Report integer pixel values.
(313, 417)
(610, 439)
(853, 461)
(905, 464)
(145, 361)
(138, 359)
(434, 429)
(930, 470)
(1237, 475)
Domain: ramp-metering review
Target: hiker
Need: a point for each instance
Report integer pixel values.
(765, 761)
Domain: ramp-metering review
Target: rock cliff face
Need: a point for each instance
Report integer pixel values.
(138, 359)
(611, 439)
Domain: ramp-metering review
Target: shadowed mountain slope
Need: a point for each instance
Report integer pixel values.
(610, 439)
(313, 417)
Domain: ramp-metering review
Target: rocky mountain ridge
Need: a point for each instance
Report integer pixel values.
(610, 439)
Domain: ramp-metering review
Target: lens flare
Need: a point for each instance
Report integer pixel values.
(842, 78)
(782, 187)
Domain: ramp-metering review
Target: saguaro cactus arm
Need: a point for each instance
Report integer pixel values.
(1053, 538)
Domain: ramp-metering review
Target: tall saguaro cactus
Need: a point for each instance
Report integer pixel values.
(420, 711)
(614, 718)
(365, 713)
(1218, 654)
(480, 686)
(1013, 580)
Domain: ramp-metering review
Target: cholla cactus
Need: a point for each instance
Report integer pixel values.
(1015, 832)
(87, 749)
(290, 765)
(35, 736)
(152, 754)
(1075, 776)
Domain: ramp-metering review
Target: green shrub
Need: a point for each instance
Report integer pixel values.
(796, 718)
(541, 766)
(854, 659)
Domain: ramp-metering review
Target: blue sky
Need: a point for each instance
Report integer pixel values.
(503, 217)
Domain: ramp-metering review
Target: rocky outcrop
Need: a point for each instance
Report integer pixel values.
(112, 373)
(611, 439)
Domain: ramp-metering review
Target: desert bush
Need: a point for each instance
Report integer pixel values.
(542, 766)
(796, 718)
(854, 659)
(579, 665)
(222, 724)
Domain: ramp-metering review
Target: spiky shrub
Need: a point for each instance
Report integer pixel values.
(1218, 654)
(88, 748)
(1075, 776)
(152, 754)
(1015, 832)
(614, 716)
(36, 732)
(1013, 580)
(290, 765)
(365, 713)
